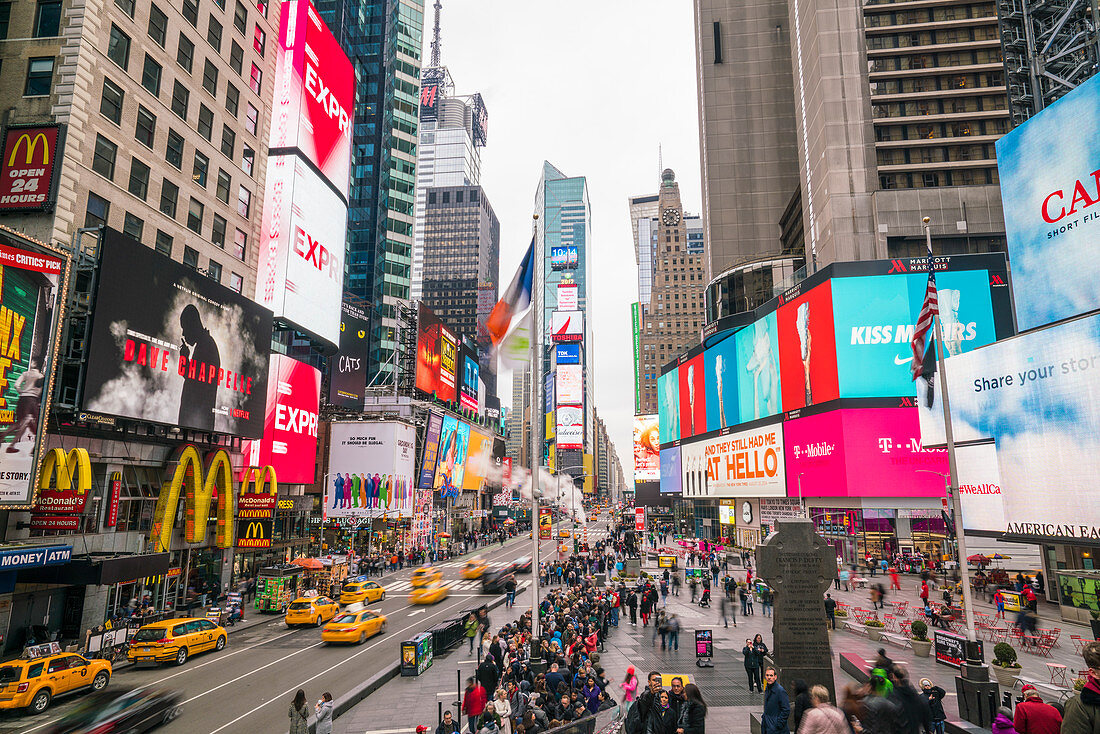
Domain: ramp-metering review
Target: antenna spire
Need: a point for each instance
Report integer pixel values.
(660, 161)
(435, 35)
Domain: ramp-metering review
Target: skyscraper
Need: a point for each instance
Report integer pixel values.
(383, 38)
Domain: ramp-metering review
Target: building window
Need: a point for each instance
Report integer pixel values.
(224, 183)
(240, 244)
(169, 195)
(232, 99)
(261, 5)
(164, 243)
(146, 127)
(5, 18)
(185, 53)
(173, 152)
(158, 25)
(103, 159)
(259, 39)
(236, 282)
(244, 201)
(210, 78)
(214, 270)
(150, 75)
(97, 212)
(236, 58)
(248, 160)
(128, 8)
(139, 179)
(191, 257)
(47, 19)
(240, 17)
(132, 226)
(110, 106)
(180, 99)
(214, 34)
(206, 122)
(229, 141)
(200, 168)
(256, 81)
(252, 119)
(118, 47)
(191, 12)
(195, 213)
(217, 231)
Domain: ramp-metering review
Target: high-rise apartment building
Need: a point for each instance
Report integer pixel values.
(383, 38)
(517, 417)
(672, 317)
(461, 265)
(746, 127)
(163, 111)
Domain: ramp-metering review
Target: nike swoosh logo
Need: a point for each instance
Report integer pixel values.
(907, 360)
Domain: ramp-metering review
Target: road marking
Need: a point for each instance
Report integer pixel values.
(388, 731)
(413, 614)
(302, 684)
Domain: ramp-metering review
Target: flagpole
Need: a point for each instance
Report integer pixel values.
(953, 475)
(536, 448)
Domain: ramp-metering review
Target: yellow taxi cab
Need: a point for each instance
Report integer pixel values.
(354, 626)
(429, 594)
(31, 683)
(563, 533)
(175, 640)
(426, 576)
(474, 568)
(564, 548)
(359, 590)
(311, 610)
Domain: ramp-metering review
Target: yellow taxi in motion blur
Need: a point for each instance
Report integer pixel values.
(429, 594)
(175, 640)
(474, 568)
(426, 576)
(563, 533)
(32, 683)
(354, 626)
(311, 610)
(360, 591)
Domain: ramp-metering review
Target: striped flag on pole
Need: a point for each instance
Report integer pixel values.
(929, 310)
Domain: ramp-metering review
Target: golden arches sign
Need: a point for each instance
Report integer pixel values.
(198, 480)
(76, 465)
(265, 480)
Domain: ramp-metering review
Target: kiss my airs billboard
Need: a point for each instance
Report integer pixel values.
(169, 345)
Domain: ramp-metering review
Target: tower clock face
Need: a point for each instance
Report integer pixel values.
(670, 217)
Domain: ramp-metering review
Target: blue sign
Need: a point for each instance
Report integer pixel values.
(723, 397)
(668, 406)
(670, 470)
(567, 353)
(53, 555)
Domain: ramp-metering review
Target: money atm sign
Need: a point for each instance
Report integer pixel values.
(27, 166)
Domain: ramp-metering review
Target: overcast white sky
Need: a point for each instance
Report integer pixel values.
(594, 87)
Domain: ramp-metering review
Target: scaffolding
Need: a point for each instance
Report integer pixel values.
(1050, 47)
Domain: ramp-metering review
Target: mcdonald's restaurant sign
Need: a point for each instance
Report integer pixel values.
(204, 482)
(28, 166)
(64, 482)
(259, 501)
(254, 533)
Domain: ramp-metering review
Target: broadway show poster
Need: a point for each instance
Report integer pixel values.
(348, 369)
(28, 296)
(371, 467)
(169, 345)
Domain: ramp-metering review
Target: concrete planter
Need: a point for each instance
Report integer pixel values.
(921, 648)
(1006, 677)
(874, 634)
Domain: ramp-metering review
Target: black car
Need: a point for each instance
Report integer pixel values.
(522, 564)
(116, 712)
(493, 583)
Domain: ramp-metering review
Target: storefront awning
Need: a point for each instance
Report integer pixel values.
(99, 570)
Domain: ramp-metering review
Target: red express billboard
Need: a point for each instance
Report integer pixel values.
(289, 443)
(314, 93)
(30, 158)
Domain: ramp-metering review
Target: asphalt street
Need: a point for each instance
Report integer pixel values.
(248, 686)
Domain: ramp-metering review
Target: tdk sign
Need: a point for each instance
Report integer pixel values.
(567, 353)
(30, 557)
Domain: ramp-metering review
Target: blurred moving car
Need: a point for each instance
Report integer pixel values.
(474, 568)
(311, 610)
(522, 564)
(113, 712)
(361, 590)
(429, 594)
(354, 626)
(174, 640)
(426, 576)
(31, 683)
(493, 583)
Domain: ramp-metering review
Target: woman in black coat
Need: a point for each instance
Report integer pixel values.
(801, 702)
(753, 666)
(693, 712)
(662, 717)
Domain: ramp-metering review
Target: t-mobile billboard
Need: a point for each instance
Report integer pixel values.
(314, 94)
(289, 443)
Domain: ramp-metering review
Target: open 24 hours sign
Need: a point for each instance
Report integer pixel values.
(28, 167)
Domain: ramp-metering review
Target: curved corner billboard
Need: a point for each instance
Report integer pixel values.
(169, 345)
(289, 443)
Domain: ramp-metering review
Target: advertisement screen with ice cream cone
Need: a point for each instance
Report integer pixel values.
(807, 349)
(693, 400)
(758, 370)
(720, 361)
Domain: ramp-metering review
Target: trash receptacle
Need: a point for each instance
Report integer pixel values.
(416, 654)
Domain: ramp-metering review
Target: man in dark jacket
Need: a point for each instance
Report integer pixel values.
(639, 712)
(914, 712)
(1082, 715)
(830, 610)
(934, 695)
(553, 678)
(448, 725)
(777, 706)
(488, 674)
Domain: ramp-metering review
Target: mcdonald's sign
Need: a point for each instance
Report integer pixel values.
(27, 167)
(254, 533)
(258, 501)
(64, 482)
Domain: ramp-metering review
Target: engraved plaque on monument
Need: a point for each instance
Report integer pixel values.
(799, 566)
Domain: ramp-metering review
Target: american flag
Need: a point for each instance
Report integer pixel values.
(929, 310)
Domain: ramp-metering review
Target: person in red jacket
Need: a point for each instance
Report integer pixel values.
(1033, 716)
(473, 703)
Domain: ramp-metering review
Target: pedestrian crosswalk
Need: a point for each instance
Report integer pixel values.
(489, 564)
(452, 584)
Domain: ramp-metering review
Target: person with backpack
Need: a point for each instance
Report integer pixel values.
(638, 716)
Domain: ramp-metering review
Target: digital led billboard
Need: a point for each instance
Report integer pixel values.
(570, 384)
(758, 387)
(428, 328)
(450, 470)
(447, 387)
(563, 258)
(348, 369)
(169, 345)
(430, 451)
(668, 405)
(479, 460)
(29, 158)
(807, 349)
(693, 402)
(722, 395)
(746, 463)
(469, 372)
(671, 477)
(314, 93)
(567, 326)
(570, 427)
(568, 297)
(289, 443)
(1047, 171)
(301, 268)
(647, 448)
(372, 466)
(567, 354)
